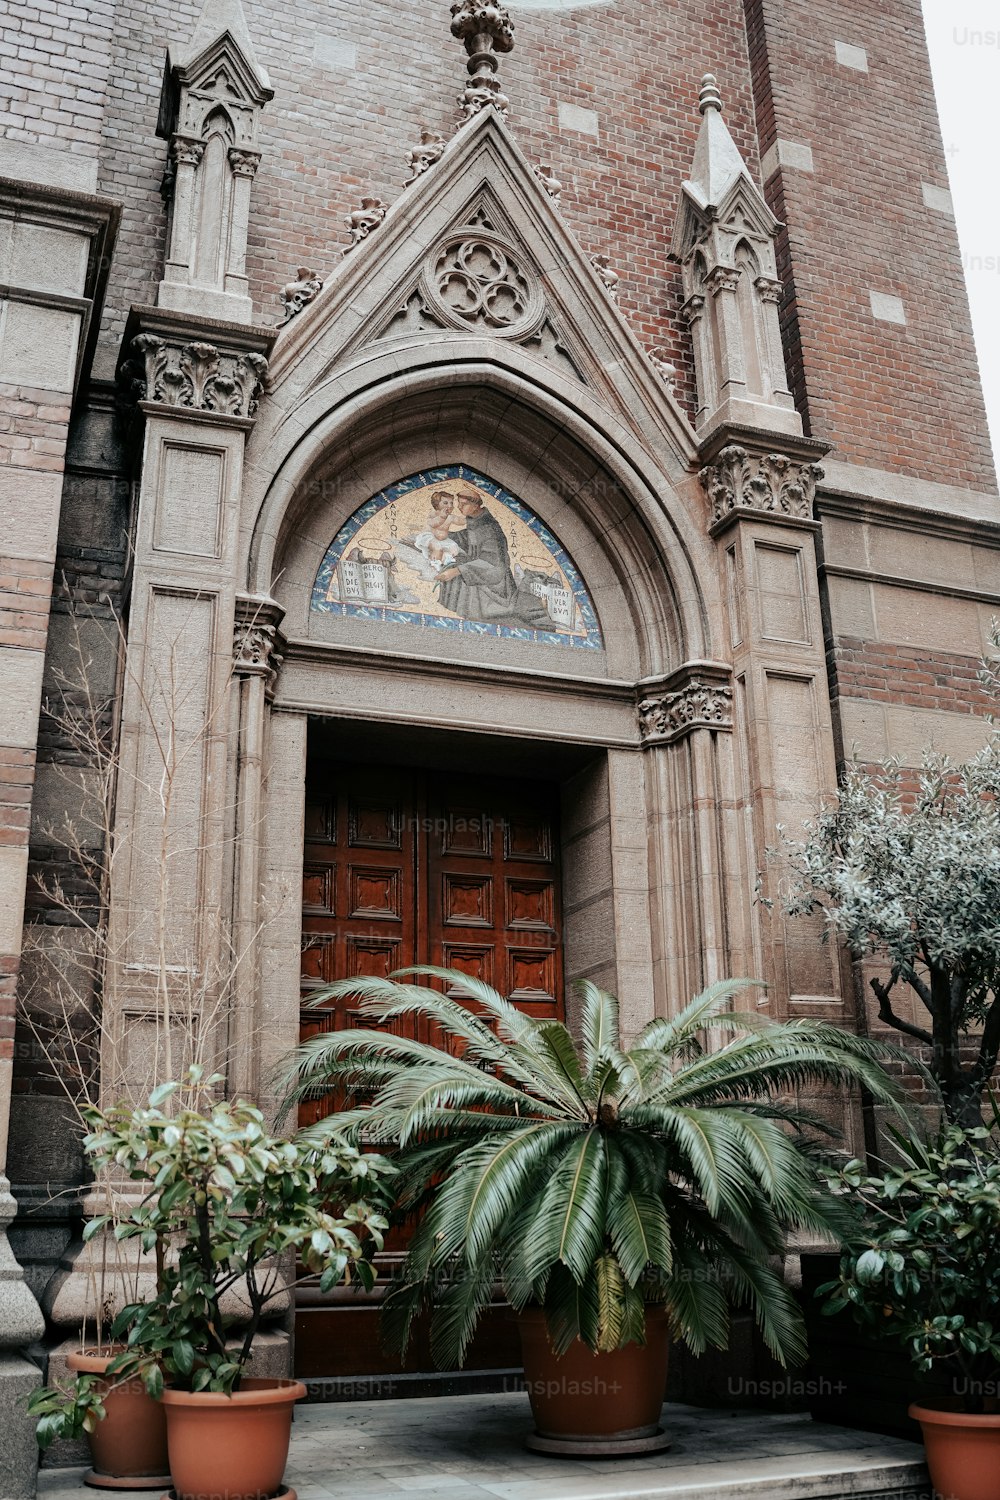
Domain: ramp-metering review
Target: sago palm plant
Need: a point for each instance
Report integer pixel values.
(587, 1178)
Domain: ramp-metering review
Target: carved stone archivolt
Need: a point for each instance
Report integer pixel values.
(769, 483)
(258, 645)
(196, 374)
(699, 696)
(474, 280)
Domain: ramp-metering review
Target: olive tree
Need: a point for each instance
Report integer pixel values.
(911, 875)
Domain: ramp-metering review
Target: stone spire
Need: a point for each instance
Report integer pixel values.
(214, 90)
(487, 30)
(219, 17)
(717, 161)
(724, 240)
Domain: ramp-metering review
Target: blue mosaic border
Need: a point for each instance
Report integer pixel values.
(592, 641)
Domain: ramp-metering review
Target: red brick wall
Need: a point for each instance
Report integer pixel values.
(54, 61)
(329, 136)
(906, 674)
(892, 397)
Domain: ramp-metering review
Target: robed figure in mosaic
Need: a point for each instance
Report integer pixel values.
(480, 584)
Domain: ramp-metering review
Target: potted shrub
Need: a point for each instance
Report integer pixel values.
(224, 1202)
(615, 1192)
(922, 1270)
(124, 1426)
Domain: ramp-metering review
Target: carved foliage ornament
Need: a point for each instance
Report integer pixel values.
(196, 375)
(298, 293)
(423, 156)
(363, 220)
(772, 483)
(486, 30)
(699, 704)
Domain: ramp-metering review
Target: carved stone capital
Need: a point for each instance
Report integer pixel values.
(187, 152)
(693, 308)
(243, 163)
(722, 279)
(258, 645)
(697, 696)
(193, 374)
(762, 483)
(769, 289)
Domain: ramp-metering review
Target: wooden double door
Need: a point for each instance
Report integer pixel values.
(406, 866)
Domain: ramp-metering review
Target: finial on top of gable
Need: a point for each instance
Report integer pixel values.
(487, 30)
(724, 240)
(214, 90)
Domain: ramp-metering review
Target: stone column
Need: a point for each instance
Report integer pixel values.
(257, 650)
(55, 247)
(685, 722)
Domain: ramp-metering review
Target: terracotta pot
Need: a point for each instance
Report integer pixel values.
(963, 1452)
(129, 1448)
(595, 1403)
(230, 1447)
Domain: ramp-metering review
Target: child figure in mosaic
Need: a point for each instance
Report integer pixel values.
(435, 541)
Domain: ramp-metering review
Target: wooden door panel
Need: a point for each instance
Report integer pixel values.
(405, 867)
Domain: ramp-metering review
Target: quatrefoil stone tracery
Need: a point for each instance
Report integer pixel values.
(478, 283)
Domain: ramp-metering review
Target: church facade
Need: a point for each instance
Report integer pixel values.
(453, 534)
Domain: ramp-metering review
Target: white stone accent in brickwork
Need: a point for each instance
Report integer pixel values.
(887, 308)
(334, 52)
(787, 154)
(852, 57)
(938, 198)
(575, 117)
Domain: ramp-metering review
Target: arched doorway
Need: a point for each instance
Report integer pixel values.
(392, 722)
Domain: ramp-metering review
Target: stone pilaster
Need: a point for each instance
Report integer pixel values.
(760, 489)
(175, 952)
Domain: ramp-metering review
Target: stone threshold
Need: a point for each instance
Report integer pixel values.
(471, 1447)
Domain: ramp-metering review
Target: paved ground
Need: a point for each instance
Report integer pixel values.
(471, 1448)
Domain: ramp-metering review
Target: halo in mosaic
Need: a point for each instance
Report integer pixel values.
(449, 549)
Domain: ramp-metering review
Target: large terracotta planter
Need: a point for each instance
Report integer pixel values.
(129, 1448)
(963, 1452)
(595, 1403)
(231, 1447)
